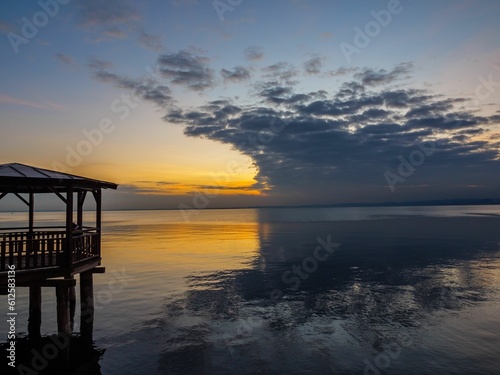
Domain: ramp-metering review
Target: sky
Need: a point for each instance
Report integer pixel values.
(235, 103)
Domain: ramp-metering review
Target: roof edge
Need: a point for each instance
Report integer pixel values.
(66, 179)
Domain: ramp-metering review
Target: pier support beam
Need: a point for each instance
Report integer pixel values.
(87, 304)
(72, 306)
(63, 321)
(35, 312)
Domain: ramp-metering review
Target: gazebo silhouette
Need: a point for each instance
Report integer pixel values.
(52, 256)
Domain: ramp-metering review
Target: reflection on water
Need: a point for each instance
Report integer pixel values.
(54, 355)
(401, 294)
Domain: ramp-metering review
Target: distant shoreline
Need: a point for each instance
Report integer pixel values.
(450, 202)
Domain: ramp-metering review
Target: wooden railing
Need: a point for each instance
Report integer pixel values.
(85, 245)
(45, 248)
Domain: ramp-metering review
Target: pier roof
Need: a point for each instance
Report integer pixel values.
(21, 178)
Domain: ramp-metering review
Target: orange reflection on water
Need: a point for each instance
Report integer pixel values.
(183, 247)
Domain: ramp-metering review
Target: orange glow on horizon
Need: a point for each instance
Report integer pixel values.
(168, 179)
(214, 188)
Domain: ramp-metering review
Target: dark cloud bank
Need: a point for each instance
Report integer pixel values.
(335, 146)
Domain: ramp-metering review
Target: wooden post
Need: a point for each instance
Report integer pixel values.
(69, 229)
(86, 304)
(62, 296)
(98, 217)
(31, 221)
(31, 206)
(35, 312)
(72, 306)
(81, 201)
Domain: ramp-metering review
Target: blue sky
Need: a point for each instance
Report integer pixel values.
(184, 85)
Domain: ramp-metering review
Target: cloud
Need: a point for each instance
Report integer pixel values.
(336, 146)
(281, 71)
(153, 42)
(313, 65)
(254, 53)
(343, 146)
(114, 33)
(238, 74)
(342, 71)
(284, 95)
(158, 183)
(115, 19)
(370, 77)
(99, 64)
(181, 189)
(22, 102)
(65, 59)
(186, 69)
(109, 18)
(145, 89)
(115, 79)
(432, 109)
(154, 187)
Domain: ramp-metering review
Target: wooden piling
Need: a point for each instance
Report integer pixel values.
(72, 306)
(63, 320)
(35, 312)
(86, 304)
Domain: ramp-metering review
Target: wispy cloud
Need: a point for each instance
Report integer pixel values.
(313, 65)
(22, 102)
(99, 64)
(147, 89)
(108, 18)
(281, 71)
(153, 42)
(179, 189)
(237, 74)
(327, 35)
(66, 60)
(254, 53)
(342, 71)
(371, 77)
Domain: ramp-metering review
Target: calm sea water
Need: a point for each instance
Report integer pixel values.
(407, 290)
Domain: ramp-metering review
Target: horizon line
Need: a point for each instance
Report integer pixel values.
(435, 202)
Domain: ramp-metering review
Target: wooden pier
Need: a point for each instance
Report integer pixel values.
(53, 256)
